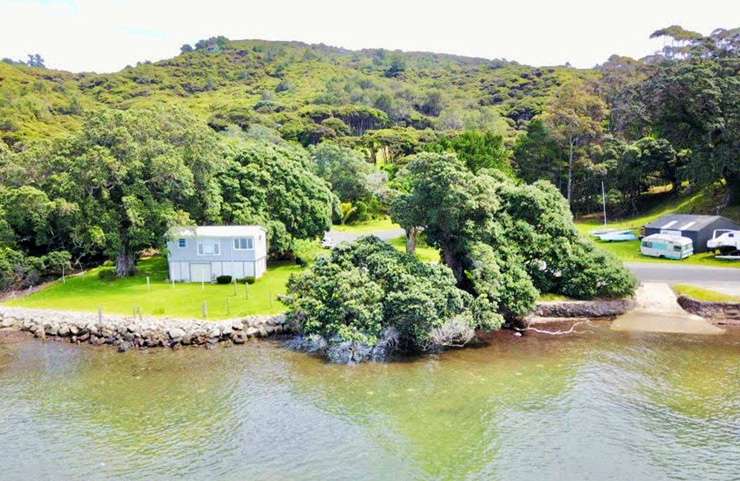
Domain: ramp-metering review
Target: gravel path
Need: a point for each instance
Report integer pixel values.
(334, 237)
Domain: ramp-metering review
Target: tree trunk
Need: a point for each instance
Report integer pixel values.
(125, 262)
(570, 171)
(458, 269)
(411, 234)
(732, 180)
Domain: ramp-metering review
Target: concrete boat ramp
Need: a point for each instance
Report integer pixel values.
(657, 310)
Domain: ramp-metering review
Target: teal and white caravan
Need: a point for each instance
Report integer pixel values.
(669, 246)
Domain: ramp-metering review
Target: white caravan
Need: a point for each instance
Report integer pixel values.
(667, 245)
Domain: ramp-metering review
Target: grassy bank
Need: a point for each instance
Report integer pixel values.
(87, 292)
(701, 294)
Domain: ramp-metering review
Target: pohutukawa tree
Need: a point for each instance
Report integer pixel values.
(503, 241)
(125, 178)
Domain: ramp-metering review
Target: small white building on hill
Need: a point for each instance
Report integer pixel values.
(202, 253)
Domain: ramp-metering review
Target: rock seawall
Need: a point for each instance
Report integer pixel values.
(583, 309)
(126, 332)
(718, 312)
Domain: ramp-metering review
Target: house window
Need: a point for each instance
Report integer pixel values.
(182, 243)
(209, 248)
(243, 243)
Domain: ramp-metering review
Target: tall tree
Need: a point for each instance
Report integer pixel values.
(694, 102)
(478, 149)
(345, 169)
(575, 117)
(131, 174)
(537, 155)
(274, 185)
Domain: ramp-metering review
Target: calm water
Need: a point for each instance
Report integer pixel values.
(597, 406)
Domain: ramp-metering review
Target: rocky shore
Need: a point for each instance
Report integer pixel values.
(725, 313)
(126, 333)
(598, 308)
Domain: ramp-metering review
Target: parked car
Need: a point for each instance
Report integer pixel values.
(667, 246)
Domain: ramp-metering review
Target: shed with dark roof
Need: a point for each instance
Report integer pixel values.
(698, 228)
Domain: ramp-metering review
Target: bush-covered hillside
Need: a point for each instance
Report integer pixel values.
(307, 92)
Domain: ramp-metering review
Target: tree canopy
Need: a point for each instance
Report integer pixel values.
(274, 185)
(504, 242)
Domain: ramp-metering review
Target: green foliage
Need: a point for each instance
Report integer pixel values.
(478, 149)
(363, 288)
(273, 185)
(366, 90)
(345, 169)
(223, 279)
(504, 242)
(107, 274)
(18, 270)
(695, 105)
(538, 156)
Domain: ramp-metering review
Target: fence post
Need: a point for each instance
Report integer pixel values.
(204, 308)
(148, 284)
(173, 283)
(64, 279)
(202, 285)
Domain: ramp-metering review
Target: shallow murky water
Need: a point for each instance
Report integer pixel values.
(596, 406)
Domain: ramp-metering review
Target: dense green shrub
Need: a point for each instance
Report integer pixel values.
(223, 279)
(364, 288)
(19, 271)
(107, 274)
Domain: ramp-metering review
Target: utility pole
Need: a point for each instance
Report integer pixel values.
(603, 199)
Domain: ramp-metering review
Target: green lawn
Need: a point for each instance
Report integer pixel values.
(423, 251)
(384, 223)
(87, 292)
(550, 297)
(629, 251)
(701, 294)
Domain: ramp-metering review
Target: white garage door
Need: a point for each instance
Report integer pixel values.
(200, 272)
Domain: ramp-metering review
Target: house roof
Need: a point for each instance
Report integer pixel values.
(216, 231)
(684, 222)
(668, 238)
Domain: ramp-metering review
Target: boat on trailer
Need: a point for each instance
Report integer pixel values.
(726, 242)
(614, 235)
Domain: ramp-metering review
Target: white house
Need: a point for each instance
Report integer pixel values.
(202, 253)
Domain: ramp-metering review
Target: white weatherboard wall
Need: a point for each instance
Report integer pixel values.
(219, 255)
